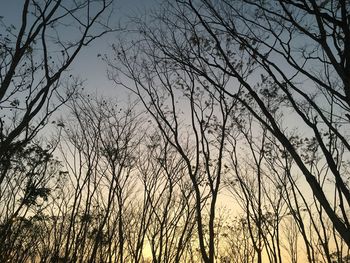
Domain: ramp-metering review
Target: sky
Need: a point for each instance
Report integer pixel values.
(91, 68)
(88, 66)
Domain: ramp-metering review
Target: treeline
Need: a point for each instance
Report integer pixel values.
(109, 187)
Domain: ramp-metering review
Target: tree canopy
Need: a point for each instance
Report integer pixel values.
(234, 104)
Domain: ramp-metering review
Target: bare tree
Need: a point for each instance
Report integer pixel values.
(35, 56)
(34, 60)
(101, 139)
(167, 90)
(295, 52)
(170, 201)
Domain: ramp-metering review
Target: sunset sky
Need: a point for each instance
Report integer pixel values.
(174, 131)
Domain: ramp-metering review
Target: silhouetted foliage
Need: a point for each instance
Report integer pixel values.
(239, 104)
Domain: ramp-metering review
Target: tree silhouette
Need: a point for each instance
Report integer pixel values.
(280, 58)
